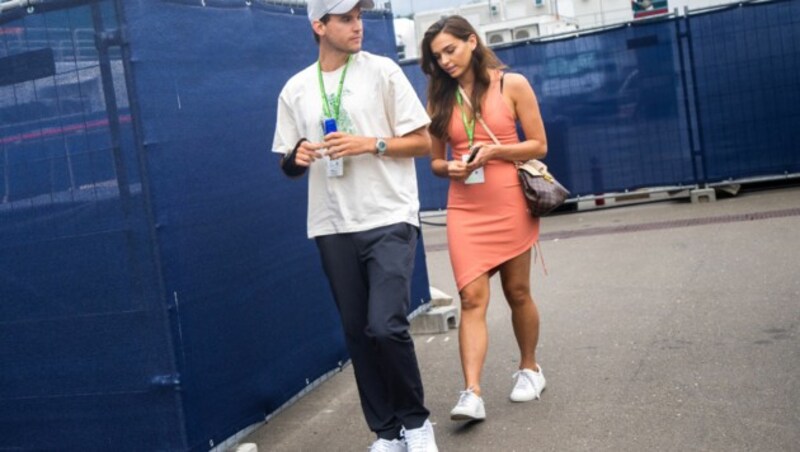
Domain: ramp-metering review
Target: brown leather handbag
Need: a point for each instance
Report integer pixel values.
(543, 193)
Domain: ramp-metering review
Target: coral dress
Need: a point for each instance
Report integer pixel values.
(488, 223)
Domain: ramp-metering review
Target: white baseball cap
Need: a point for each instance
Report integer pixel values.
(319, 8)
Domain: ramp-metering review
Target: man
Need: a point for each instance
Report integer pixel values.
(363, 208)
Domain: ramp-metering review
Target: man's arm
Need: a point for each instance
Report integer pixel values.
(295, 163)
(296, 160)
(416, 143)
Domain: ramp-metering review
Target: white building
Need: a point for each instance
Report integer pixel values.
(499, 21)
(596, 13)
(404, 37)
(503, 21)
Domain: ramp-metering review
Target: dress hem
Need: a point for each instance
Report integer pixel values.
(473, 275)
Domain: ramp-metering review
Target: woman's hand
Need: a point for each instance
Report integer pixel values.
(457, 170)
(485, 153)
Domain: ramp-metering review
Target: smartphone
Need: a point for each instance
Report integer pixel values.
(473, 153)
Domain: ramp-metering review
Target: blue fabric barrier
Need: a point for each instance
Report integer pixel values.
(87, 355)
(158, 288)
(157, 291)
(747, 61)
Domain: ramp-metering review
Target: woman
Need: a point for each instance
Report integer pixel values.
(488, 227)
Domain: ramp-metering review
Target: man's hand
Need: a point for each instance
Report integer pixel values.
(340, 145)
(307, 152)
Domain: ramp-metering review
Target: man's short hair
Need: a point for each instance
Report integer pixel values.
(324, 19)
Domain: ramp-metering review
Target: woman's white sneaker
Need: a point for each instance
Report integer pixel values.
(528, 385)
(469, 407)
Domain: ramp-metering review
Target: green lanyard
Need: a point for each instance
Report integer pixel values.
(469, 126)
(337, 101)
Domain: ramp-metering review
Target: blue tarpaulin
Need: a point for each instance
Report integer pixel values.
(158, 289)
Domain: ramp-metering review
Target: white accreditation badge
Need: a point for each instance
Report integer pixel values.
(476, 177)
(335, 166)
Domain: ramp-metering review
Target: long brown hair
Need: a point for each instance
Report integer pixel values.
(441, 86)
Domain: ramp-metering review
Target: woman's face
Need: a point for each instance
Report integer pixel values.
(453, 55)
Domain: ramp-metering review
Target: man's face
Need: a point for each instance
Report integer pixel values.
(343, 32)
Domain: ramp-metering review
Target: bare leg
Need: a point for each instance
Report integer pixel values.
(473, 337)
(515, 276)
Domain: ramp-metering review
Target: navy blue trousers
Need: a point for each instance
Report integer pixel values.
(370, 276)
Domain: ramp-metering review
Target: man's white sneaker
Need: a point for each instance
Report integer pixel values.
(469, 407)
(528, 385)
(421, 439)
(384, 445)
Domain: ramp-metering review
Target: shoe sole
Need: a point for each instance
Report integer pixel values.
(465, 417)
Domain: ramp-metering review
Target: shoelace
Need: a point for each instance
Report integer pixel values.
(525, 379)
(463, 398)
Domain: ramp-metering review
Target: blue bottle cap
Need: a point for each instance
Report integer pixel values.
(330, 125)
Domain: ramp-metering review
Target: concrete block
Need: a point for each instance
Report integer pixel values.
(730, 189)
(439, 298)
(436, 320)
(703, 195)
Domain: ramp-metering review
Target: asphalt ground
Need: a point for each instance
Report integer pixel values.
(664, 326)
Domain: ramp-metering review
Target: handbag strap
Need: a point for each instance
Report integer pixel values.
(538, 166)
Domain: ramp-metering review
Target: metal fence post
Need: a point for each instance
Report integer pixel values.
(697, 148)
(680, 35)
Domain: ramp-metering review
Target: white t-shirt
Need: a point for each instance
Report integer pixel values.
(377, 101)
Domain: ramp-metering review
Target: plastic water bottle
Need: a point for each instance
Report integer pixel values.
(335, 167)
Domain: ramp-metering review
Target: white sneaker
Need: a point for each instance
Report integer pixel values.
(529, 385)
(384, 445)
(421, 439)
(469, 407)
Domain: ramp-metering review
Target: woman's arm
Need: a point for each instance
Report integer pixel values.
(438, 157)
(453, 169)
